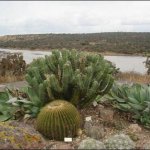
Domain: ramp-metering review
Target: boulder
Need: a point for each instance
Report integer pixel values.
(95, 132)
(90, 143)
(134, 128)
(17, 136)
(119, 141)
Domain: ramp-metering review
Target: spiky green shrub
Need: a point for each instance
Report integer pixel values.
(69, 75)
(58, 119)
(132, 98)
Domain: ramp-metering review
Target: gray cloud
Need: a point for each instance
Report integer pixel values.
(73, 17)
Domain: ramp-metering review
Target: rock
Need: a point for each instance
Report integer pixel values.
(134, 136)
(134, 128)
(19, 136)
(87, 125)
(146, 145)
(90, 143)
(107, 114)
(95, 132)
(62, 146)
(119, 141)
(100, 107)
(95, 103)
(79, 132)
(89, 118)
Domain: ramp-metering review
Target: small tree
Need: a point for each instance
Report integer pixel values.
(147, 64)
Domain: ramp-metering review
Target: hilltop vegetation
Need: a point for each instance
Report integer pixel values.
(118, 42)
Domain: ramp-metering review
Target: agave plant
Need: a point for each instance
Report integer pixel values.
(132, 98)
(71, 76)
(8, 106)
(15, 104)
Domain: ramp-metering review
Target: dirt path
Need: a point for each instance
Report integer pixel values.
(11, 85)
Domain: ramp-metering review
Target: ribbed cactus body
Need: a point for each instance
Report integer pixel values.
(58, 119)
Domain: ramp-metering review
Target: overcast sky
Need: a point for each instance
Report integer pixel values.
(25, 17)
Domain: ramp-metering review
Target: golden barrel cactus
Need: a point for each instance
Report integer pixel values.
(58, 119)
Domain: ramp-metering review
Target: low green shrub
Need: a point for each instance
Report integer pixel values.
(132, 98)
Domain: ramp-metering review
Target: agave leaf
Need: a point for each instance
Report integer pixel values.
(25, 101)
(132, 100)
(136, 106)
(12, 100)
(109, 97)
(124, 107)
(4, 117)
(147, 110)
(4, 96)
(117, 98)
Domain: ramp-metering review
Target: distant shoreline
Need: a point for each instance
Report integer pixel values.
(111, 43)
(107, 53)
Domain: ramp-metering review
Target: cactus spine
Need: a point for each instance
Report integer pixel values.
(58, 119)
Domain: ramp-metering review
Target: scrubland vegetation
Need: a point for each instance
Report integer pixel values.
(133, 77)
(115, 42)
(12, 68)
(11, 78)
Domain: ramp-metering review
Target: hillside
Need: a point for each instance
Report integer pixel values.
(118, 42)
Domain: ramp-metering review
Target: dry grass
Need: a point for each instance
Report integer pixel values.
(123, 76)
(8, 79)
(134, 77)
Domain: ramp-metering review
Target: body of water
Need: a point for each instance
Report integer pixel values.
(125, 63)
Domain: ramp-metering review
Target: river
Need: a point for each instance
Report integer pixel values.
(125, 63)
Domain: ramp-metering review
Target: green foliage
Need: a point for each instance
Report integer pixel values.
(15, 104)
(28, 102)
(7, 106)
(76, 77)
(132, 98)
(58, 119)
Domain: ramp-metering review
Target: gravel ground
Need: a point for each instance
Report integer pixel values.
(115, 123)
(12, 85)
